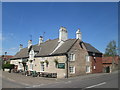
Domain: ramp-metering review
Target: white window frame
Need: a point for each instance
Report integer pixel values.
(31, 67)
(20, 65)
(94, 67)
(72, 70)
(72, 57)
(87, 58)
(87, 69)
(41, 67)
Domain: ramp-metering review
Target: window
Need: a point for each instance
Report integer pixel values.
(42, 67)
(72, 57)
(20, 65)
(94, 67)
(72, 69)
(87, 58)
(94, 58)
(31, 66)
(87, 69)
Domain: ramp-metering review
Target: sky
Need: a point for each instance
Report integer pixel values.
(98, 23)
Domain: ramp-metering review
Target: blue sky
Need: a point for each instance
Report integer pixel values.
(98, 22)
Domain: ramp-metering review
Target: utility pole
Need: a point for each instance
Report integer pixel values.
(5, 57)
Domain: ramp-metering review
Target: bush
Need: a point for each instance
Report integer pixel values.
(8, 66)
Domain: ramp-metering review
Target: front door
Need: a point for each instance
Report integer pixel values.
(107, 69)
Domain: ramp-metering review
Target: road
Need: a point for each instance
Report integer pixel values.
(102, 81)
(7, 83)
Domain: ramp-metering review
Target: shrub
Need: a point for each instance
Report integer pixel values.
(8, 66)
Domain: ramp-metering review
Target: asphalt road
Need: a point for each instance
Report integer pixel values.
(7, 83)
(102, 81)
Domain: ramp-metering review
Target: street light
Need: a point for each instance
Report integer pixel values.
(5, 57)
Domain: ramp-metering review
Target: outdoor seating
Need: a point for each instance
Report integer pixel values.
(48, 75)
(34, 74)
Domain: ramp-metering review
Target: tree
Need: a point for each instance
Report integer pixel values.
(111, 49)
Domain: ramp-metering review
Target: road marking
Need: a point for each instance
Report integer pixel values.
(96, 85)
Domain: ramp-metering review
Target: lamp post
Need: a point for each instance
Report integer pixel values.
(5, 57)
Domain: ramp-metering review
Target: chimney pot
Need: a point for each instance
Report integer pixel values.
(40, 40)
(20, 47)
(29, 43)
(78, 34)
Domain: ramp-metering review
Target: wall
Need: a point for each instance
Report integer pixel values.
(51, 66)
(16, 62)
(106, 65)
(112, 68)
(98, 64)
(80, 62)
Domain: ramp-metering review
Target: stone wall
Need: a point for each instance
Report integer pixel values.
(51, 68)
(80, 62)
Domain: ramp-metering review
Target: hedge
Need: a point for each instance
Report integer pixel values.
(8, 66)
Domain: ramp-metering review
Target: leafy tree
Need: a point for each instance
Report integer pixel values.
(111, 49)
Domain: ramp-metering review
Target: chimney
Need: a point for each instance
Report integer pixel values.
(29, 43)
(63, 35)
(78, 34)
(40, 40)
(20, 47)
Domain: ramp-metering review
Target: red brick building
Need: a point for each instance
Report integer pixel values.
(96, 64)
(5, 57)
(110, 63)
